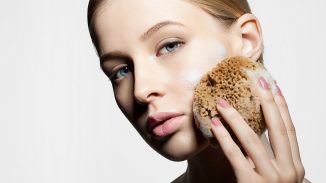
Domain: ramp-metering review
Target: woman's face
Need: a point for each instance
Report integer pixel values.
(155, 52)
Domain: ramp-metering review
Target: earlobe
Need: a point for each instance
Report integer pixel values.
(251, 36)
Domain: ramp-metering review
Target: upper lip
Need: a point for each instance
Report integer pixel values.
(159, 118)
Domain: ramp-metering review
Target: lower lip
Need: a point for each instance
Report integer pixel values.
(168, 127)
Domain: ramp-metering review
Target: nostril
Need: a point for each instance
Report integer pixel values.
(146, 97)
(147, 87)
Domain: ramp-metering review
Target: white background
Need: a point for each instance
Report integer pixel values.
(58, 119)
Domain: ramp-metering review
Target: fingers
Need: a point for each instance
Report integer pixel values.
(230, 148)
(279, 126)
(283, 108)
(287, 165)
(276, 128)
(247, 137)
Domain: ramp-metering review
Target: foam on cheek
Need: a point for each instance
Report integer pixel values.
(191, 79)
(211, 52)
(215, 50)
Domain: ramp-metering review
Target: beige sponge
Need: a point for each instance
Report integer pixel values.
(232, 80)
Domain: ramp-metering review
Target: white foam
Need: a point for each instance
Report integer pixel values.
(216, 50)
(213, 51)
(191, 79)
(255, 74)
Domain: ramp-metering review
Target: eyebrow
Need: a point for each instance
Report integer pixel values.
(157, 27)
(150, 32)
(113, 55)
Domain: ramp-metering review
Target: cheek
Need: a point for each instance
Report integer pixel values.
(203, 55)
(191, 78)
(192, 63)
(212, 51)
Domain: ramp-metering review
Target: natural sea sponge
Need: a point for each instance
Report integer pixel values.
(232, 80)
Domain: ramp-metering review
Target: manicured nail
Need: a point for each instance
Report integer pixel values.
(216, 122)
(221, 102)
(262, 83)
(275, 82)
(279, 92)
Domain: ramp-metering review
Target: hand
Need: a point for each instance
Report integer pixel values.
(286, 166)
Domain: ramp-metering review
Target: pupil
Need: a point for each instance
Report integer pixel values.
(125, 69)
(170, 46)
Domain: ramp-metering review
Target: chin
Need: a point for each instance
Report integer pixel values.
(183, 145)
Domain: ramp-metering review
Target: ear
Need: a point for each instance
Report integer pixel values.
(250, 34)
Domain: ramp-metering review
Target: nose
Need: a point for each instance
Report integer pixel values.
(148, 82)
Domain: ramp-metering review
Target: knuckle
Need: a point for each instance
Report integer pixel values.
(289, 176)
(291, 129)
(235, 118)
(224, 136)
(232, 151)
(274, 178)
(301, 171)
(234, 115)
(280, 129)
(283, 131)
(252, 139)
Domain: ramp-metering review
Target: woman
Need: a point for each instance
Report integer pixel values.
(154, 52)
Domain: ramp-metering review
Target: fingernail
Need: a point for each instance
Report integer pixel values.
(262, 83)
(221, 102)
(279, 92)
(275, 82)
(216, 122)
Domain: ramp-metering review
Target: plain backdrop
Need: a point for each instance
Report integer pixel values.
(59, 122)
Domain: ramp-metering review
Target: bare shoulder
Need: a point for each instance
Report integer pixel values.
(305, 181)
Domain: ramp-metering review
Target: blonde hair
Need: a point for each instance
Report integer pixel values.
(226, 11)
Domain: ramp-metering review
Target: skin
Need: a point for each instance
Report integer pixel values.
(157, 74)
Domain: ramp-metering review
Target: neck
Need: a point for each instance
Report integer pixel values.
(210, 165)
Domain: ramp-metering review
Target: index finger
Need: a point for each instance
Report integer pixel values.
(230, 148)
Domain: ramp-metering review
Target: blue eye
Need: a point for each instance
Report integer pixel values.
(122, 72)
(170, 47)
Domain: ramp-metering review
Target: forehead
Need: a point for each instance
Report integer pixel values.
(125, 20)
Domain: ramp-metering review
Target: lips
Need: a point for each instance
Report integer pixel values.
(160, 120)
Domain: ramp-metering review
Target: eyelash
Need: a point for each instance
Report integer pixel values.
(114, 76)
(165, 45)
